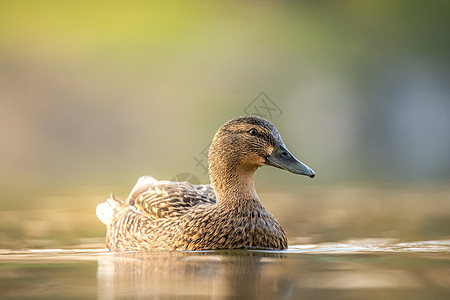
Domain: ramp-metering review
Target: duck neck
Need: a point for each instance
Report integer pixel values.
(234, 187)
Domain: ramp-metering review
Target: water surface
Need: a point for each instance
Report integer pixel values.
(347, 243)
(358, 269)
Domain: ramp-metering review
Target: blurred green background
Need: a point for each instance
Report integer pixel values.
(94, 94)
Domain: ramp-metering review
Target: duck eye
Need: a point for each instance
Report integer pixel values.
(253, 131)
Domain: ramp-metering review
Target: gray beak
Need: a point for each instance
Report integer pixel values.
(283, 159)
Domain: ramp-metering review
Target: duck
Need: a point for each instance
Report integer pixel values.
(225, 214)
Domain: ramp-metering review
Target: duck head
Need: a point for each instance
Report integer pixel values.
(244, 144)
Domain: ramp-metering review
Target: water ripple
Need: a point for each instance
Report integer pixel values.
(345, 247)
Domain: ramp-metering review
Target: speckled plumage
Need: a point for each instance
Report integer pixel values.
(164, 215)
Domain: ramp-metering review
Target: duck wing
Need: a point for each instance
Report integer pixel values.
(168, 199)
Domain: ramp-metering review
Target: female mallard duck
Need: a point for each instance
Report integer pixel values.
(227, 214)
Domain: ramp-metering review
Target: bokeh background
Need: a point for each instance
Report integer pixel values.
(94, 94)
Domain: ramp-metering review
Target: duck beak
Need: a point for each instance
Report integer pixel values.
(283, 159)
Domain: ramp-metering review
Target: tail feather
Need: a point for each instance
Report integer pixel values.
(143, 184)
(106, 211)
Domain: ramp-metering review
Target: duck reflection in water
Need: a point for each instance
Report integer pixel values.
(219, 274)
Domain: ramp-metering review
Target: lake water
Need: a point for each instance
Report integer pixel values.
(346, 244)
